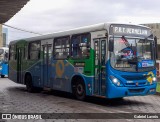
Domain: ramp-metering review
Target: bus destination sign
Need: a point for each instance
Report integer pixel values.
(129, 30)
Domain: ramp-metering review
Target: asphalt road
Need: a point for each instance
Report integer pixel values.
(15, 99)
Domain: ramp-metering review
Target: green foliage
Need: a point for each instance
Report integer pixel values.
(158, 87)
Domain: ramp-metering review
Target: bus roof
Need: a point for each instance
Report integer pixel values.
(85, 29)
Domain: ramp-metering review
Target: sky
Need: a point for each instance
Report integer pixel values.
(48, 16)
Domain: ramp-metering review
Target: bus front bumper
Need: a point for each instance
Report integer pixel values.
(119, 92)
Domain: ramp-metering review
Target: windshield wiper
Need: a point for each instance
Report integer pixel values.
(125, 41)
(133, 60)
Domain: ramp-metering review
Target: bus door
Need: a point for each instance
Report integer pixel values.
(47, 52)
(100, 67)
(19, 64)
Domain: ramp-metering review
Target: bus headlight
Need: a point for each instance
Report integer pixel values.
(154, 79)
(115, 81)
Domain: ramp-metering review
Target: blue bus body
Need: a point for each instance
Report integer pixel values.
(139, 84)
(4, 61)
(4, 69)
(107, 75)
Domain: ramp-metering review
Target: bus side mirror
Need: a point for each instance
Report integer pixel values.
(111, 45)
(156, 47)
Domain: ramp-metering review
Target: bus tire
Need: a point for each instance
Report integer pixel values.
(2, 76)
(117, 99)
(120, 99)
(79, 89)
(29, 84)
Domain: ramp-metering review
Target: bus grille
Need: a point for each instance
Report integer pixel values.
(141, 77)
(134, 84)
(136, 90)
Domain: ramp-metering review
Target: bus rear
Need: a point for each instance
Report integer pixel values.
(3, 62)
(131, 67)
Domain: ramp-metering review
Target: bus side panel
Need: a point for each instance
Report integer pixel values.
(13, 71)
(89, 85)
(35, 71)
(4, 69)
(61, 74)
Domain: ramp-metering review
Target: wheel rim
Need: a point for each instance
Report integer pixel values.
(80, 89)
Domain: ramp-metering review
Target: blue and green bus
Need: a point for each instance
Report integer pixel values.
(4, 61)
(108, 60)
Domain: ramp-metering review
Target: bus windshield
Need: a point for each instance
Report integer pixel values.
(3, 55)
(132, 54)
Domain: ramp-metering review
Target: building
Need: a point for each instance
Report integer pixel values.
(3, 36)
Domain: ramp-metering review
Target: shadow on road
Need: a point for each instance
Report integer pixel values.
(99, 101)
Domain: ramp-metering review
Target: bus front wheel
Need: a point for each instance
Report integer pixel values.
(29, 84)
(79, 90)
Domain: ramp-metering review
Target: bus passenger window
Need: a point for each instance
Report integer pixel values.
(61, 48)
(12, 53)
(26, 52)
(34, 49)
(80, 46)
(76, 51)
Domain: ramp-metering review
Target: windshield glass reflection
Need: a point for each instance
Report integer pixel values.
(132, 54)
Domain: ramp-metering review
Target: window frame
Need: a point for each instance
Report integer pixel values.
(13, 53)
(54, 53)
(29, 49)
(89, 43)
